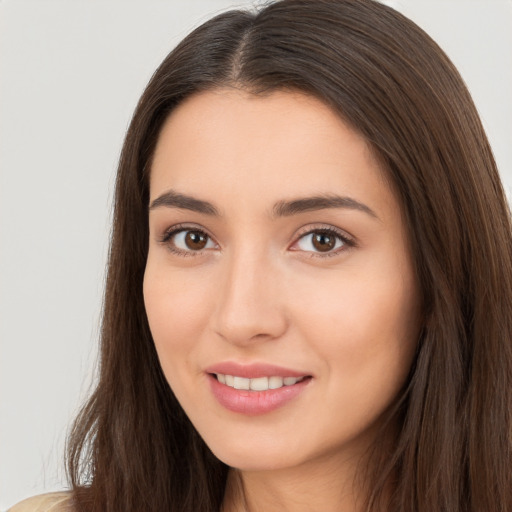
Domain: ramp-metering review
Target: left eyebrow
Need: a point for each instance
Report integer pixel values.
(323, 202)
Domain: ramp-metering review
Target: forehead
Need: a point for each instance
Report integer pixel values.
(238, 146)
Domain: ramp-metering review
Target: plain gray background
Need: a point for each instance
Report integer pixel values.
(71, 72)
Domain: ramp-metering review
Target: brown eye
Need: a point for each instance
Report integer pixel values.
(195, 240)
(323, 242)
(188, 241)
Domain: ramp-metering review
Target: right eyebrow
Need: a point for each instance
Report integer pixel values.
(172, 199)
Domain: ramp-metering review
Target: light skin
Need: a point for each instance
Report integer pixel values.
(325, 288)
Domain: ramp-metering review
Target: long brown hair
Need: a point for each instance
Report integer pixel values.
(133, 449)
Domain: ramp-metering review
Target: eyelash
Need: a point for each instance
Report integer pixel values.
(166, 238)
(347, 241)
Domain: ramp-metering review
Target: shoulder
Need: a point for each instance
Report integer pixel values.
(51, 502)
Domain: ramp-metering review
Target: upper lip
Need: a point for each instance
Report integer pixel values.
(253, 370)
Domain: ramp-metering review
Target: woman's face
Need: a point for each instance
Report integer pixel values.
(279, 286)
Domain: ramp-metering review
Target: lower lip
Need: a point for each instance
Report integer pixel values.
(253, 403)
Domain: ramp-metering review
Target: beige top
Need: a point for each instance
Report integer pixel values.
(51, 502)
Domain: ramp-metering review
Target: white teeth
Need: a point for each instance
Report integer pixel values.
(275, 382)
(257, 384)
(241, 383)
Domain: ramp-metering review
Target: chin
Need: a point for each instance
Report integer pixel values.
(252, 454)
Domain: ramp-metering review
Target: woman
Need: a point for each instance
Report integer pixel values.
(308, 303)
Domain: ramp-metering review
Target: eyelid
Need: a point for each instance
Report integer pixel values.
(348, 240)
(165, 238)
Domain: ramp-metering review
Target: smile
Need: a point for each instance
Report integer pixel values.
(256, 395)
(258, 383)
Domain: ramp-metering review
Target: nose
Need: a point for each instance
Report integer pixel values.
(251, 305)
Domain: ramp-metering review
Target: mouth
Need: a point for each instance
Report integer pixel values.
(257, 383)
(256, 389)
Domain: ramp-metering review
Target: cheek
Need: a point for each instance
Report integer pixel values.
(361, 309)
(177, 309)
(365, 326)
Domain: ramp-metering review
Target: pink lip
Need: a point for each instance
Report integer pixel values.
(252, 403)
(254, 370)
